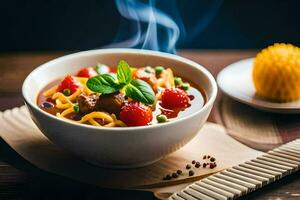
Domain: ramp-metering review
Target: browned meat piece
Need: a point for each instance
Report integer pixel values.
(111, 103)
(87, 103)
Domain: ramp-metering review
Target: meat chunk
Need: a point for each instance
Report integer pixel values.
(87, 103)
(110, 103)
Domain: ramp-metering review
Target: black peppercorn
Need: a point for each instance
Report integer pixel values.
(174, 175)
(188, 166)
(212, 159)
(193, 162)
(168, 177)
(179, 172)
(191, 173)
(197, 165)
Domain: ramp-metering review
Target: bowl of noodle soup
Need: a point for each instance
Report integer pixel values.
(115, 141)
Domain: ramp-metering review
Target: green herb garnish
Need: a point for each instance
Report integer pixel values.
(136, 89)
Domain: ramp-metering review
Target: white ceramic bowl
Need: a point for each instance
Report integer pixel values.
(118, 147)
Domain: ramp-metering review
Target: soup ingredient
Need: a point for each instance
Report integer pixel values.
(136, 89)
(197, 165)
(76, 108)
(102, 69)
(70, 83)
(136, 114)
(174, 98)
(111, 103)
(191, 173)
(149, 69)
(159, 70)
(87, 72)
(148, 77)
(185, 86)
(47, 105)
(177, 81)
(179, 172)
(276, 72)
(161, 118)
(66, 92)
(87, 103)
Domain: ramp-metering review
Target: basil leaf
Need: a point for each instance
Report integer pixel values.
(140, 91)
(105, 84)
(124, 73)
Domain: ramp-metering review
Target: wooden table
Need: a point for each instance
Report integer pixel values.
(21, 180)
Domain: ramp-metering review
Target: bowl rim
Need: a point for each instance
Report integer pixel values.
(132, 51)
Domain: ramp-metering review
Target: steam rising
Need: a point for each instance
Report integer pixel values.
(148, 22)
(147, 27)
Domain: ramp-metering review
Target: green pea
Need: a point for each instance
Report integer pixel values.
(185, 86)
(159, 69)
(66, 92)
(161, 118)
(76, 108)
(177, 81)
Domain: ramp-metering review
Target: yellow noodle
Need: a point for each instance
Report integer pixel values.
(93, 122)
(50, 92)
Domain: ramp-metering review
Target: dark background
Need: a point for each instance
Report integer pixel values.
(38, 25)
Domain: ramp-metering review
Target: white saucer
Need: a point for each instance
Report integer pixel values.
(236, 81)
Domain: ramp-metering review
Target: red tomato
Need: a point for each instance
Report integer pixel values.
(69, 83)
(136, 114)
(174, 98)
(87, 72)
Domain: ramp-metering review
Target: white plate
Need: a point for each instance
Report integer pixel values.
(236, 81)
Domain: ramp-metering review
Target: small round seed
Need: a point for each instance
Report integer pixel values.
(179, 172)
(193, 162)
(191, 173)
(197, 165)
(212, 159)
(188, 166)
(204, 157)
(204, 165)
(174, 175)
(208, 156)
(168, 177)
